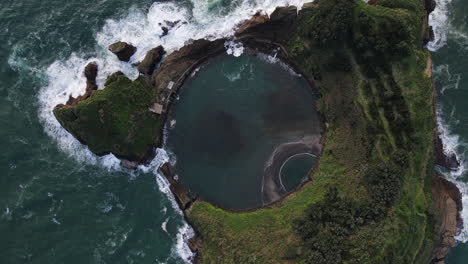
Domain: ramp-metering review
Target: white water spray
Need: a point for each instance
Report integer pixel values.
(144, 31)
(439, 20)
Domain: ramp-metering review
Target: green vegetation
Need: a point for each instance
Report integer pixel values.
(115, 119)
(369, 202)
(332, 21)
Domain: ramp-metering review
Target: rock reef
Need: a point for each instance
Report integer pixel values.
(126, 118)
(122, 50)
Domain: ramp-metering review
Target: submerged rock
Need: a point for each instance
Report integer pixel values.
(129, 164)
(152, 58)
(123, 50)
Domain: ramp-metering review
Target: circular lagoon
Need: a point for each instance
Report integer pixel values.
(235, 123)
(296, 170)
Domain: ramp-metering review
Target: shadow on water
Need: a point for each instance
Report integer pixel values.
(229, 120)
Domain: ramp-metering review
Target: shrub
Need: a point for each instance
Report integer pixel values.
(383, 183)
(333, 21)
(326, 226)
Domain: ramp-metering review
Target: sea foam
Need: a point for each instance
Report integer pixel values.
(143, 30)
(452, 145)
(202, 20)
(439, 19)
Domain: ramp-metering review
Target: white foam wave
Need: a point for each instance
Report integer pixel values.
(181, 248)
(65, 77)
(234, 48)
(164, 225)
(451, 145)
(202, 20)
(439, 21)
(460, 37)
(273, 59)
(451, 81)
(185, 232)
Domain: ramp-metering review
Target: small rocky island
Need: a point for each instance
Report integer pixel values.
(374, 197)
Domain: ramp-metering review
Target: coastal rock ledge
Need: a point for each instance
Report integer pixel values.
(372, 120)
(447, 201)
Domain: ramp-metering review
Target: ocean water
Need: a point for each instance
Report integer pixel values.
(450, 68)
(61, 204)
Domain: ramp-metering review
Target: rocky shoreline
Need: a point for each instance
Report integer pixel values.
(164, 75)
(447, 198)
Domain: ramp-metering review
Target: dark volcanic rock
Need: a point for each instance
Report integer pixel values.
(123, 50)
(177, 66)
(115, 119)
(447, 201)
(195, 244)
(430, 5)
(114, 75)
(152, 58)
(168, 25)
(257, 19)
(275, 28)
(96, 122)
(449, 161)
(90, 73)
(182, 195)
(165, 31)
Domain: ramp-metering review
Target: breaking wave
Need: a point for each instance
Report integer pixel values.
(439, 19)
(186, 22)
(452, 144)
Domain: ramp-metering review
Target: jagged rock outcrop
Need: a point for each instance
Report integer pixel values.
(183, 197)
(122, 50)
(152, 58)
(449, 161)
(447, 201)
(168, 25)
(126, 117)
(90, 73)
(118, 120)
(428, 34)
(114, 120)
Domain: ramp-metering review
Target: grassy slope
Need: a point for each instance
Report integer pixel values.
(352, 102)
(115, 119)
